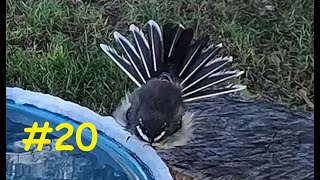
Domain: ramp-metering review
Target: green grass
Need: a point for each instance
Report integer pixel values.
(52, 46)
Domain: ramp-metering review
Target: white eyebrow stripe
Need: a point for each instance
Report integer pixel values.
(140, 120)
(160, 136)
(164, 124)
(142, 134)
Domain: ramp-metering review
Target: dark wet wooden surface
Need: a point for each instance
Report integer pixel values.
(237, 139)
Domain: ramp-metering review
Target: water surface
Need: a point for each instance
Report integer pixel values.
(108, 160)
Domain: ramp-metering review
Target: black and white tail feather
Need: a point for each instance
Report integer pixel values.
(172, 54)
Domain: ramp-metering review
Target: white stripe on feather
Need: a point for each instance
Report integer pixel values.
(106, 49)
(160, 34)
(134, 28)
(238, 73)
(207, 49)
(118, 36)
(204, 61)
(227, 72)
(219, 45)
(152, 23)
(206, 75)
(174, 41)
(189, 60)
(228, 58)
(238, 88)
(211, 46)
(144, 38)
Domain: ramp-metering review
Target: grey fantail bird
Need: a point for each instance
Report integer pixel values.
(170, 69)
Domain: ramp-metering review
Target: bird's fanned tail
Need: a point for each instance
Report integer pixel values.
(173, 53)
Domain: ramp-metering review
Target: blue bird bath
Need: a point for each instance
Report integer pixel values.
(112, 158)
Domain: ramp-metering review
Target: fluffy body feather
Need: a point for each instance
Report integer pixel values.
(169, 68)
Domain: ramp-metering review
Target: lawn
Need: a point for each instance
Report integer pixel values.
(52, 46)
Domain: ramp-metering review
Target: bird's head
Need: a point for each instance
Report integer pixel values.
(156, 111)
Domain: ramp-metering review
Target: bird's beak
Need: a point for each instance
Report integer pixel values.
(151, 142)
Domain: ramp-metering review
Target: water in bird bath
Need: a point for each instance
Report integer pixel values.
(108, 160)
